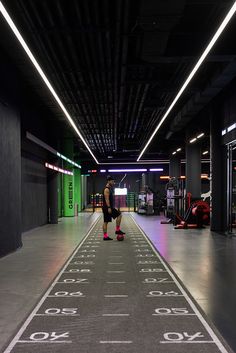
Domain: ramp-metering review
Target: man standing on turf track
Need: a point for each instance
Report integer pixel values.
(108, 209)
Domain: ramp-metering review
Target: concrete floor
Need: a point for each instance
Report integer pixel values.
(205, 262)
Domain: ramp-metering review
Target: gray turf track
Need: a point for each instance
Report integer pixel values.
(116, 297)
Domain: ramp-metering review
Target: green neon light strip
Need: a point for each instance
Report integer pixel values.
(68, 160)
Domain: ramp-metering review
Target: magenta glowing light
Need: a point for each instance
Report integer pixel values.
(126, 170)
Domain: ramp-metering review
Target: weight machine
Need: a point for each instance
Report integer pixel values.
(174, 199)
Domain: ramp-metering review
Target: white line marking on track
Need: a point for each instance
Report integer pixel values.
(73, 282)
(115, 271)
(114, 342)
(199, 342)
(24, 341)
(115, 314)
(163, 296)
(115, 282)
(115, 296)
(115, 256)
(158, 282)
(73, 272)
(57, 314)
(174, 314)
(193, 306)
(66, 296)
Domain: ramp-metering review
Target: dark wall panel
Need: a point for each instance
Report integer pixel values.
(34, 186)
(10, 181)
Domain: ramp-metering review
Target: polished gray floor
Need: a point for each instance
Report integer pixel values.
(204, 262)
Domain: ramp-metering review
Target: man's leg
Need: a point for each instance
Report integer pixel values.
(105, 235)
(118, 222)
(104, 227)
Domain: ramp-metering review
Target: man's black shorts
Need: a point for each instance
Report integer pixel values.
(108, 216)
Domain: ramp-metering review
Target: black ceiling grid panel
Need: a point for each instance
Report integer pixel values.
(117, 65)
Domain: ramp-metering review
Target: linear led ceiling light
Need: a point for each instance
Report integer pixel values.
(198, 137)
(232, 127)
(149, 161)
(178, 150)
(192, 73)
(126, 170)
(205, 152)
(228, 129)
(156, 170)
(42, 74)
(53, 167)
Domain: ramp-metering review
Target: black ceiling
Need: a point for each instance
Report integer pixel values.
(118, 64)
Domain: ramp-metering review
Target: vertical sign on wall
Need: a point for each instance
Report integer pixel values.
(77, 187)
(68, 180)
(68, 195)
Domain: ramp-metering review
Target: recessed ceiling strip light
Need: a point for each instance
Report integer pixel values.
(126, 170)
(232, 127)
(156, 170)
(200, 135)
(148, 161)
(192, 73)
(42, 74)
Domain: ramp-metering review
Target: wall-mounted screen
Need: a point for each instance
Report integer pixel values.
(120, 191)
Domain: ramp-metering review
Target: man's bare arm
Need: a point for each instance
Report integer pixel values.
(106, 195)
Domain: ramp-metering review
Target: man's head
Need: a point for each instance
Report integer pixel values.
(110, 180)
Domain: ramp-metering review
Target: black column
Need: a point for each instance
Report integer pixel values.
(193, 168)
(218, 178)
(10, 180)
(52, 197)
(175, 167)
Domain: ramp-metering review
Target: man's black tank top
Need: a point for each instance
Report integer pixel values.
(110, 196)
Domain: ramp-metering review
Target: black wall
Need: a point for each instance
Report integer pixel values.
(23, 176)
(34, 173)
(10, 180)
(10, 160)
(34, 186)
